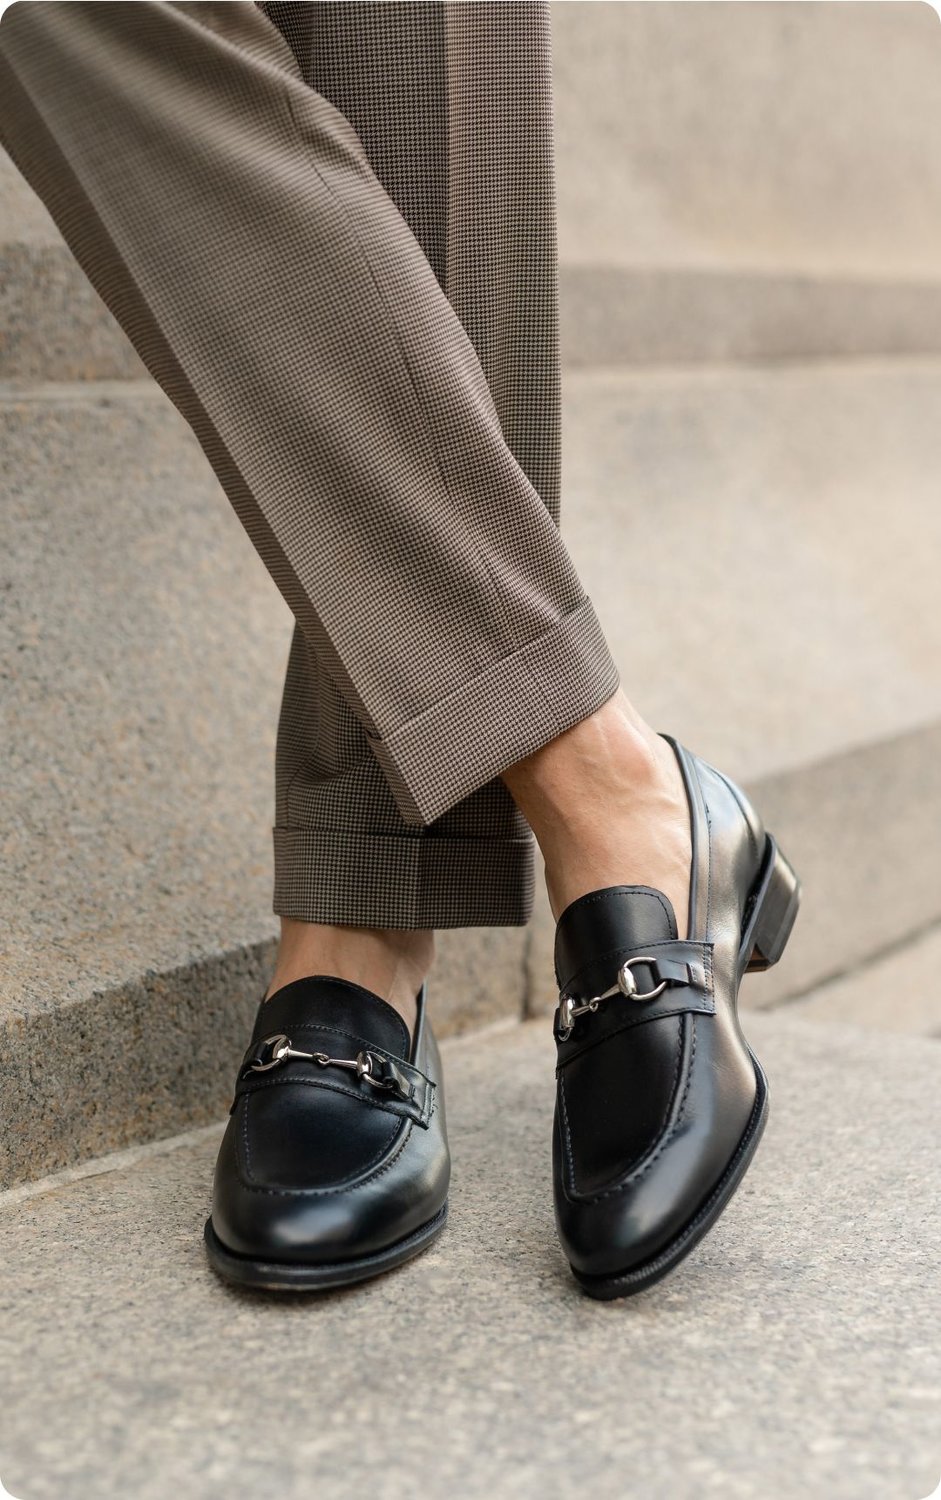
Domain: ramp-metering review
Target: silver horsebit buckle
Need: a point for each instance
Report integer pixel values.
(626, 985)
(365, 1065)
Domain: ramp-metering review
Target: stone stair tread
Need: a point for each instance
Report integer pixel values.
(128, 1369)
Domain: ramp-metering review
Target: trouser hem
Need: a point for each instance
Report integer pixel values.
(378, 880)
(506, 713)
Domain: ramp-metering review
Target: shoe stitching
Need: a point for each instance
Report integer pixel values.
(611, 895)
(335, 1031)
(349, 1185)
(689, 1076)
(567, 1133)
(706, 1207)
(640, 1172)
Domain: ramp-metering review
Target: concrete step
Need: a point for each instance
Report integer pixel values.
(57, 328)
(145, 646)
(641, 315)
(749, 137)
(898, 991)
(790, 1355)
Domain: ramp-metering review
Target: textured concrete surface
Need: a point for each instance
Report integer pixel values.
(754, 137)
(661, 315)
(901, 991)
(55, 326)
(761, 543)
(794, 1354)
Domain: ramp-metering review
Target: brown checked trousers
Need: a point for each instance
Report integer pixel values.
(329, 232)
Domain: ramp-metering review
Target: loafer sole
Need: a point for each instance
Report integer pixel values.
(638, 1278)
(296, 1276)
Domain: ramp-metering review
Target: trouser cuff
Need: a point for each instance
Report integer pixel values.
(506, 713)
(377, 880)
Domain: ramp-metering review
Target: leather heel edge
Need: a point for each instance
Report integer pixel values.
(774, 909)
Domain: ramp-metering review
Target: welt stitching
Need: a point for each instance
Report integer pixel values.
(567, 1134)
(247, 1150)
(635, 1177)
(345, 1187)
(689, 1075)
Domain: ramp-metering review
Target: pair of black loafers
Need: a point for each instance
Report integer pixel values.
(335, 1166)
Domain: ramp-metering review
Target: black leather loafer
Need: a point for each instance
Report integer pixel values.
(334, 1165)
(660, 1101)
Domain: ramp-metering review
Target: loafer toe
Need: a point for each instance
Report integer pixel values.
(334, 1163)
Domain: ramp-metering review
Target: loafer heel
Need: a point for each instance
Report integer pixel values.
(776, 901)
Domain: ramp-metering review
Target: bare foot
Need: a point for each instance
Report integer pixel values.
(392, 962)
(607, 804)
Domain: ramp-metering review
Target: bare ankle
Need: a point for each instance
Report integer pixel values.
(570, 780)
(607, 805)
(391, 962)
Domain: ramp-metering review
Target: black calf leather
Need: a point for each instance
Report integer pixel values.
(334, 1164)
(660, 1102)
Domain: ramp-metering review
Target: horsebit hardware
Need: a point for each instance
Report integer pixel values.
(364, 1064)
(626, 985)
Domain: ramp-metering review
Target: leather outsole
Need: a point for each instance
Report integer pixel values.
(285, 1276)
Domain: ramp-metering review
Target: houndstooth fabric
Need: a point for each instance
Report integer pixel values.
(329, 231)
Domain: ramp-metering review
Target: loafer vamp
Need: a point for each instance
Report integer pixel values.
(310, 1132)
(656, 1095)
(317, 1164)
(675, 1149)
(615, 1100)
